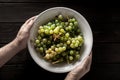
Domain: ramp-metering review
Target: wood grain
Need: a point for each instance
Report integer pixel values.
(103, 18)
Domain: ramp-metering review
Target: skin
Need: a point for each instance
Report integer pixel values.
(20, 42)
(80, 70)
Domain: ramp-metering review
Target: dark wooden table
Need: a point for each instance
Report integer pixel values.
(104, 19)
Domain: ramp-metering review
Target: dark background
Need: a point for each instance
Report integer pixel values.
(104, 19)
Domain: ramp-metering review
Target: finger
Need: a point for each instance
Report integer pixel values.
(90, 62)
(32, 18)
(82, 65)
(29, 25)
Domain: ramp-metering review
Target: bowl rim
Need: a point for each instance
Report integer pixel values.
(74, 11)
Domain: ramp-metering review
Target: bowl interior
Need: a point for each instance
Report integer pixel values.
(48, 15)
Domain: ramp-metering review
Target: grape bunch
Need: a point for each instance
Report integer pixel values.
(59, 40)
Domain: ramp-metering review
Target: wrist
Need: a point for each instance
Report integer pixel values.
(16, 44)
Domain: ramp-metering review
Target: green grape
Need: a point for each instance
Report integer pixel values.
(66, 23)
(56, 21)
(44, 40)
(70, 20)
(52, 26)
(58, 45)
(66, 28)
(46, 31)
(61, 44)
(70, 28)
(59, 40)
(76, 44)
(72, 45)
(73, 41)
(40, 27)
(42, 34)
(70, 58)
(67, 35)
(76, 23)
(39, 37)
(49, 42)
(51, 31)
(62, 23)
(41, 30)
(64, 48)
(60, 17)
(52, 47)
(68, 42)
(71, 24)
(71, 52)
(41, 49)
(38, 45)
(60, 49)
(62, 30)
(57, 24)
(37, 41)
(77, 56)
(49, 23)
(56, 49)
(73, 19)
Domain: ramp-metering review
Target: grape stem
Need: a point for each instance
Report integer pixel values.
(56, 36)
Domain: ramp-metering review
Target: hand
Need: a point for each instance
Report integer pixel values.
(23, 34)
(80, 70)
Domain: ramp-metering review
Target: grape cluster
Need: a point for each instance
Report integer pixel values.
(59, 40)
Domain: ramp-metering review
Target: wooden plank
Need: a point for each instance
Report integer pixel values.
(11, 72)
(8, 31)
(26, 1)
(106, 53)
(102, 53)
(19, 12)
(103, 72)
(32, 71)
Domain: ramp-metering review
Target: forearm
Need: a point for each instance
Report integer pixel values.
(8, 51)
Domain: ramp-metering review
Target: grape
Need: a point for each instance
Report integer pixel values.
(62, 30)
(51, 31)
(52, 26)
(71, 52)
(73, 19)
(68, 42)
(64, 48)
(41, 49)
(71, 24)
(76, 23)
(77, 56)
(39, 37)
(70, 58)
(41, 30)
(69, 28)
(46, 31)
(60, 17)
(59, 40)
(44, 40)
(49, 23)
(67, 35)
(37, 41)
(56, 21)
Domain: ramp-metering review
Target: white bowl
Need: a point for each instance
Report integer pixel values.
(46, 16)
